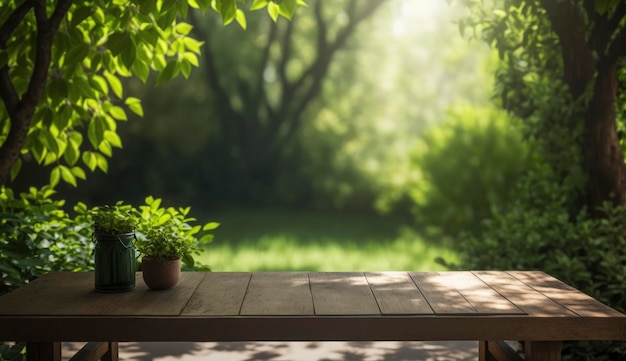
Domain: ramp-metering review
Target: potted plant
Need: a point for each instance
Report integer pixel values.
(114, 234)
(166, 242)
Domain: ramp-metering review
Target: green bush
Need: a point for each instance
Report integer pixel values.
(38, 236)
(541, 232)
(465, 167)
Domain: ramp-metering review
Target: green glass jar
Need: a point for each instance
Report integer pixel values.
(115, 262)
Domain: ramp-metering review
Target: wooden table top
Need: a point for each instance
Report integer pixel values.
(292, 306)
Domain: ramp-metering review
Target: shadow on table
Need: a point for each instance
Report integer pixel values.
(282, 351)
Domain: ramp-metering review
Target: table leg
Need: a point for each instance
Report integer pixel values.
(113, 353)
(483, 351)
(43, 351)
(496, 351)
(542, 350)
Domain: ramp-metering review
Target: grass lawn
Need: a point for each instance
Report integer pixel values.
(283, 240)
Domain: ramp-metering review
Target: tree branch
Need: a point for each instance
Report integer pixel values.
(286, 54)
(7, 90)
(230, 121)
(260, 89)
(13, 21)
(46, 30)
(318, 70)
(616, 49)
(22, 114)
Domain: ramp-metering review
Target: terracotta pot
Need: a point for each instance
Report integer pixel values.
(160, 275)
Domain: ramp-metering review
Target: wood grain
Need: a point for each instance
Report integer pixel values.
(62, 293)
(144, 301)
(483, 298)
(219, 294)
(396, 293)
(278, 293)
(439, 289)
(567, 296)
(342, 294)
(525, 297)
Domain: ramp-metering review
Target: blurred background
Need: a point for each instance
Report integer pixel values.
(371, 147)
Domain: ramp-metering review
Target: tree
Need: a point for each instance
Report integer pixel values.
(60, 68)
(565, 62)
(260, 97)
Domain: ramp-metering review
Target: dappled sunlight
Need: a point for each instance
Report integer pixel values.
(411, 15)
(302, 351)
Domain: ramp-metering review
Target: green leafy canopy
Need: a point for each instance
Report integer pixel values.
(74, 124)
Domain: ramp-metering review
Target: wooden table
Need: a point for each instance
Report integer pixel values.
(280, 306)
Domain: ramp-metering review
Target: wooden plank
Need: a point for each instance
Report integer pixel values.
(59, 293)
(278, 293)
(439, 289)
(567, 296)
(482, 297)
(396, 293)
(342, 294)
(219, 294)
(523, 296)
(144, 301)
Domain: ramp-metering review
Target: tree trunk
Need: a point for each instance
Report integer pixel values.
(603, 154)
(603, 157)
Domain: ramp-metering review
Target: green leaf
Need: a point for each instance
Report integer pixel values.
(185, 68)
(15, 169)
(67, 175)
(118, 113)
(78, 172)
(191, 58)
(183, 28)
(288, 8)
(602, 6)
(273, 9)
(113, 138)
(81, 14)
(71, 153)
(95, 131)
(103, 164)
(142, 70)
(98, 82)
(50, 158)
(55, 176)
(258, 4)
(76, 54)
(210, 226)
(228, 11)
(204, 4)
(207, 238)
(90, 160)
(115, 43)
(129, 53)
(134, 104)
(115, 83)
(167, 19)
(105, 148)
(168, 73)
(49, 141)
(193, 44)
(241, 19)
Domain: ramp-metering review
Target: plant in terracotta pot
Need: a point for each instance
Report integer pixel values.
(114, 233)
(168, 239)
